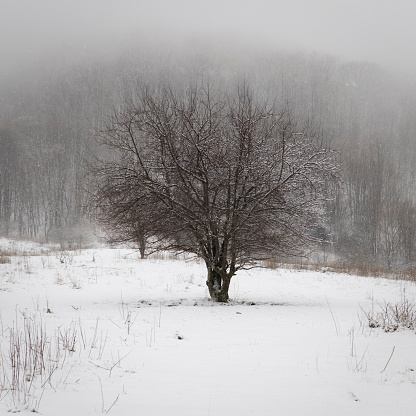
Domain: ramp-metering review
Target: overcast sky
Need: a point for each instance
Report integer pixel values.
(382, 31)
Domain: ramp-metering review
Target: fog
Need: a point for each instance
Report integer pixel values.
(380, 31)
(341, 68)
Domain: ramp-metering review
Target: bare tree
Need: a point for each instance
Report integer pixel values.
(9, 158)
(222, 175)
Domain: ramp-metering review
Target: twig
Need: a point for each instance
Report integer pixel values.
(115, 401)
(102, 396)
(358, 366)
(333, 317)
(119, 361)
(118, 326)
(99, 366)
(102, 399)
(110, 369)
(391, 355)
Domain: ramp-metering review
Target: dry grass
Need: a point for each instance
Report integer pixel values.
(360, 269)
(4, 259)
(368, 270)
(392, 316)
(29, 362)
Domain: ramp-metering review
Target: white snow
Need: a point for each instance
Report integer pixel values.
(148, 341)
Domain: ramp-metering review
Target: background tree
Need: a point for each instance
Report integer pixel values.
(49, 110)
(9, 158)
(225, 176)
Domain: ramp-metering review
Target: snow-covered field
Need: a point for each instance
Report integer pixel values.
(119, 335)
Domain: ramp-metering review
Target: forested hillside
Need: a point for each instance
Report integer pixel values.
(50, 111)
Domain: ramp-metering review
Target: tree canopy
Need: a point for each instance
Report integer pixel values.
(221, 174)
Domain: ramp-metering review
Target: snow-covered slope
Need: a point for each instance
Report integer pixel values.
(139, 337)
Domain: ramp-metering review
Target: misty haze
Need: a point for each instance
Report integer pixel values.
(158, 156)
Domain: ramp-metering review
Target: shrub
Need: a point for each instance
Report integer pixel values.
(393, 316)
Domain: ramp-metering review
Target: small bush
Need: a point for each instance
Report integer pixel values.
(393, 316)
(4, 259)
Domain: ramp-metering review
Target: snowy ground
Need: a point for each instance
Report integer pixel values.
(125, 336)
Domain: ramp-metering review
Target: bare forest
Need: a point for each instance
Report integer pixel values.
(53, 114)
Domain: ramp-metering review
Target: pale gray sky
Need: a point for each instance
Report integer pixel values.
(382, 31)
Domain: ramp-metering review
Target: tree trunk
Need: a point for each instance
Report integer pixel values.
(142, 247)
(218, 285)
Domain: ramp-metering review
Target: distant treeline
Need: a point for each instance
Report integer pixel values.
(48, 115)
